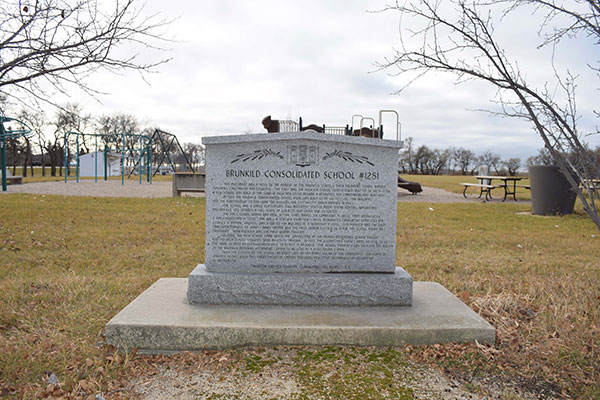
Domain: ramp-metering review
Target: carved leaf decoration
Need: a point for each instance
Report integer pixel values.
(347, 156)
(257, 155)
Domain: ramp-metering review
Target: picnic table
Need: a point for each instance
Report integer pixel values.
(486, 185)
(592, 184)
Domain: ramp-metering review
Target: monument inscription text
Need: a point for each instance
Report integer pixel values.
(292, 206)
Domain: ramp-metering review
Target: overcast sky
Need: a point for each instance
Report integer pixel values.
(234, 62)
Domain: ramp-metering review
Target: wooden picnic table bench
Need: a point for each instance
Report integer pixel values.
(483, 188)
(505, 184)
(592, 184)
(485, 185)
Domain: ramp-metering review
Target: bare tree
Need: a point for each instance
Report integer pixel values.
(15, 148)
(437, 161)
(121, 127)
(54, 150)
(117, 123)
(458, 37)
(451, 162)
(464, 159)
(422, 158)
(37, 122)
(72, 118)
(543, 157)
(512, 165)
(69, 118)
(54, 43)
(25, 155)
(407, 160)
(194, 153)
(492, 160)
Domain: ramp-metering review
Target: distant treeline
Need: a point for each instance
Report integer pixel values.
(45, 146)
(424, 160)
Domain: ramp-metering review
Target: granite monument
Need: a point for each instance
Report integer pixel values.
(300, 218)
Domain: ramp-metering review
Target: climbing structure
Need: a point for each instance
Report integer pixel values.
(8, 131)
(163, 146)
(141, 154)
(128, 145)
(361, 129)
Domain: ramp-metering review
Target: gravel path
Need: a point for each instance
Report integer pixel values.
(114, 188)
(432, 195)
(111, 188)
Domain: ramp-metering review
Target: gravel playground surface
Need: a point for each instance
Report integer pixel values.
(131, 188)
(112, 188)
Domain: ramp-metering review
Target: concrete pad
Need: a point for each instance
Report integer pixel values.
(160, 320)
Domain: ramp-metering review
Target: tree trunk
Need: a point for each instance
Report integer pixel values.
(24, 173)
(27, 158)
(52, 155)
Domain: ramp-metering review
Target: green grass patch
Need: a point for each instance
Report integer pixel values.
(344, 373)
(256, 363)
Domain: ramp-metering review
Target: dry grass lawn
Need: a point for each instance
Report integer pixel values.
(69, 264)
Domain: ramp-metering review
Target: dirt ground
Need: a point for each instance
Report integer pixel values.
(222, 380)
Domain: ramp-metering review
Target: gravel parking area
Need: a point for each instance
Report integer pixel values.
(113, 188)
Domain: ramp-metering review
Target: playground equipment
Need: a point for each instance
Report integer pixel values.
(162, 143)
(141, 152)
(412, 187)
(8, 133)
(364, 130)
(274, 125)
(140, 145)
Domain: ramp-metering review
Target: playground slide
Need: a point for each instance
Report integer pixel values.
(413, 187)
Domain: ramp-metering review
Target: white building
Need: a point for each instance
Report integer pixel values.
(89, 162)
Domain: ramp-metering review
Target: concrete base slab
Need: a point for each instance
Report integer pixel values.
(331, 289)
(161, 320)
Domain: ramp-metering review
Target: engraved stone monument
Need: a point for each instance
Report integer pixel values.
(301, 218)
(300, 238)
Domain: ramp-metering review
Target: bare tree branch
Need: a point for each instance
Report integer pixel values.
(56, 43)
(461, 41)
